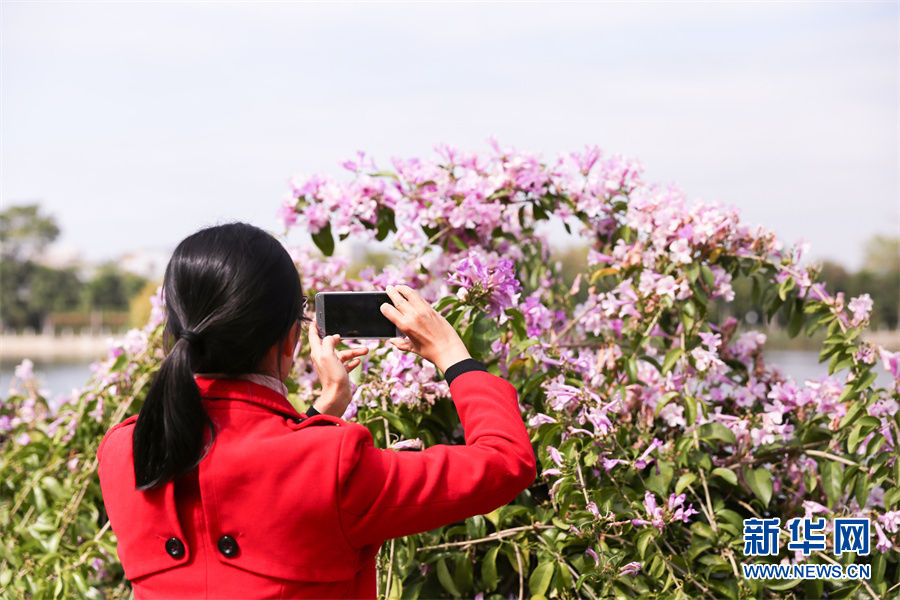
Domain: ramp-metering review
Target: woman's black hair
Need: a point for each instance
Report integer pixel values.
(231, 293)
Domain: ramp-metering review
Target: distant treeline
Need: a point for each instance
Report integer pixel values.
(30, 291)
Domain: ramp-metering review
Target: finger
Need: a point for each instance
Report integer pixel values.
(412, 296)
(396, 297)
(391, 312)
(329, 343)
(352, 364)
(352, 353)
(401, 344)
(315, 343)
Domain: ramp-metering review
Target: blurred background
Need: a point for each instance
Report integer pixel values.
(127, 126)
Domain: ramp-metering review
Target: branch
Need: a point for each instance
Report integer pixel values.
(491, 538)
(521, 575)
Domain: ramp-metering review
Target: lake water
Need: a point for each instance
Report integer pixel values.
(61, 378)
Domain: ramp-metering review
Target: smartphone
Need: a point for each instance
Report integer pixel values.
(354, 315)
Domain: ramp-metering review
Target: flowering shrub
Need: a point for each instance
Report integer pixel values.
(658, 425)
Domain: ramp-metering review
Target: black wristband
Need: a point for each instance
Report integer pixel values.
(463, 366)
(311, 412)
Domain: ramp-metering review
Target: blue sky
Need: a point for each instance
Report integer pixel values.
(135, 124)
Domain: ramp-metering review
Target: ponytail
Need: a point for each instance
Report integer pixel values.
(231, 292)
(168, 434)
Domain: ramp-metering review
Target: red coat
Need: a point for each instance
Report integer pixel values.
(285, 506)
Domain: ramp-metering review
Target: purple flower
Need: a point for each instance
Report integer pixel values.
(891, 520)
(891, 362)
(555, 455)
(642, 461)
(25, 370)
(23, 439)
(631, 568)
(609, 463)
(590, 552)
(810, 508)
(539, 419)
(538, 318)
(287, 213)
(413, 444)
(484, 278)
(884, 543)
(653, 511)
(860, 306)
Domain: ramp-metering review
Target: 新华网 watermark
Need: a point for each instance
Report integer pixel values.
(762, 538)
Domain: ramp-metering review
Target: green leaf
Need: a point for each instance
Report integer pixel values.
(855, 410)
(716, 431)
(671, 357)
(462, 574)
(661, 404)
(446, 579)
(832, 474)
(489, 568)
(690, 410)
(458, 242)
(324, 240)
(692, 271)
(726, 474)
(631, 369)
(643, 540)
(385, 222)
(861, 489)
(760, 483)
(890, 498)
(708, 278)
(517, 320)
(659, 482)
(540, 578)
(796, 320)
(684, 481)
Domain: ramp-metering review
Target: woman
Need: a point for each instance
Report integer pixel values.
(219, 488)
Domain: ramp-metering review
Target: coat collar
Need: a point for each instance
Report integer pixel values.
(247, 391)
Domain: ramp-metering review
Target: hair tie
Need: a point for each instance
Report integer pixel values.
(192, 338)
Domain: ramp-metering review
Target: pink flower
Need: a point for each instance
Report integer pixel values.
(810, 508)
(413, 444)
(25, 370)
(555, 455)
(891, 362)
(609, 463)
(539, 419)
(631, 568)
(590, 552)
(485, 278)
(642, 461)
(860, 306)
(891, 520)
(884, 543)
(653, 511)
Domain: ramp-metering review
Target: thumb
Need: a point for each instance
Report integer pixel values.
(401, 343)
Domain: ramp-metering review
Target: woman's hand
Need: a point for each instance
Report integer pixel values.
(428, 333)
(333, 368)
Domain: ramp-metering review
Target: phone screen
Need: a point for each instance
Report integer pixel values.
(354, 314)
